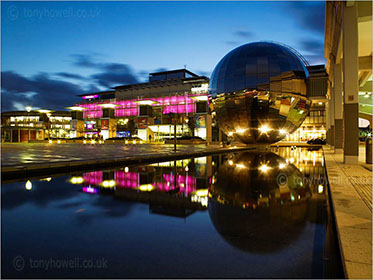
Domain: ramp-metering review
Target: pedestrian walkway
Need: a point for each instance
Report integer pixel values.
(351, 194)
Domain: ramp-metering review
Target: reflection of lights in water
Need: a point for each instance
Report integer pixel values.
(264, 168)
(282, 165)
(108, 183)
(89, 190)
(202, 192)
(28, 185)
(46, 179)
(320, 188)
(200, 196)
(264, 129)
(146, 188)
(76, 180)
(126, 169)
(230, 162)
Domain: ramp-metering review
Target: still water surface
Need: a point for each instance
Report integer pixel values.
(246, 215)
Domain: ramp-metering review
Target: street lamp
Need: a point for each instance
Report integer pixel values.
(28, 109)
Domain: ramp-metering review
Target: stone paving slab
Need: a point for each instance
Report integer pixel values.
(352, 203)
(25, 160)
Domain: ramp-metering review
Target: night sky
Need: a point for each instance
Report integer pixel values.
(52, 51)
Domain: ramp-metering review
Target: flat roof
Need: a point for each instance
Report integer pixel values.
(174, 71)
(99, 93)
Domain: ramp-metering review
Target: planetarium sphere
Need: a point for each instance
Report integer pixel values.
(258, 92)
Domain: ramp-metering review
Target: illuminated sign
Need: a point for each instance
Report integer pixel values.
(90, 96)
(104, 124)
(200, 121)
(143, 122)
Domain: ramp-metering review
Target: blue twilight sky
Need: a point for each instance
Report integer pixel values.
(52, 51)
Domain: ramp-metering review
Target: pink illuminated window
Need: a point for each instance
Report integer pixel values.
(129, 180)
(93, 178)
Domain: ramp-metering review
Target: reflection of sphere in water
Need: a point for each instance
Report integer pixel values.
(251, 210)
(258, 92)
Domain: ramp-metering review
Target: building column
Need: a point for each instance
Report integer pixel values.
(350, 85)
(329, 117)
(338, 109)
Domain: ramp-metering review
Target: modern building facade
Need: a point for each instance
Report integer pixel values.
(348, 50)
(23, 126)
(150, 110)
(314, 126)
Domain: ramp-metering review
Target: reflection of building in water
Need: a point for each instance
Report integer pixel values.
(176, 188)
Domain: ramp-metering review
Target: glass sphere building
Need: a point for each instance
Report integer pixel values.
(258, 92)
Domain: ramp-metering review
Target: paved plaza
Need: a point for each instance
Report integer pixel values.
(38, 153)
(351, 193)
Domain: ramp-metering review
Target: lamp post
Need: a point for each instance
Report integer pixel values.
(28, 109)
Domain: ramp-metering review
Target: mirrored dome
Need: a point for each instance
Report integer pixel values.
(258, 92)
(252, 65)
(258, 202)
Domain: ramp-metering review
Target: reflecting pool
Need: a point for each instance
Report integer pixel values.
(253, 214)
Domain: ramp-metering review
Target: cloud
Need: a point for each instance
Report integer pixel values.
(110, 74)
(244, 34)
(312, 46)
(309, 14)
(315, 59)
(38, 91)
(70, 76)
(312, 50)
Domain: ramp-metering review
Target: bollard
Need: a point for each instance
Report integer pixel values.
(368, 150)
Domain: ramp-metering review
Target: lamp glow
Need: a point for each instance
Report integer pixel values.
(108, 105)
(282, 165)
(108, 183)
(264, 168)
(76, 180)
(145, 102)
(320, 188)
(28, 185)
(76, 108)
(200, 98)
(282, 131)
(264, 129)
(44, 111)
(146, 188)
